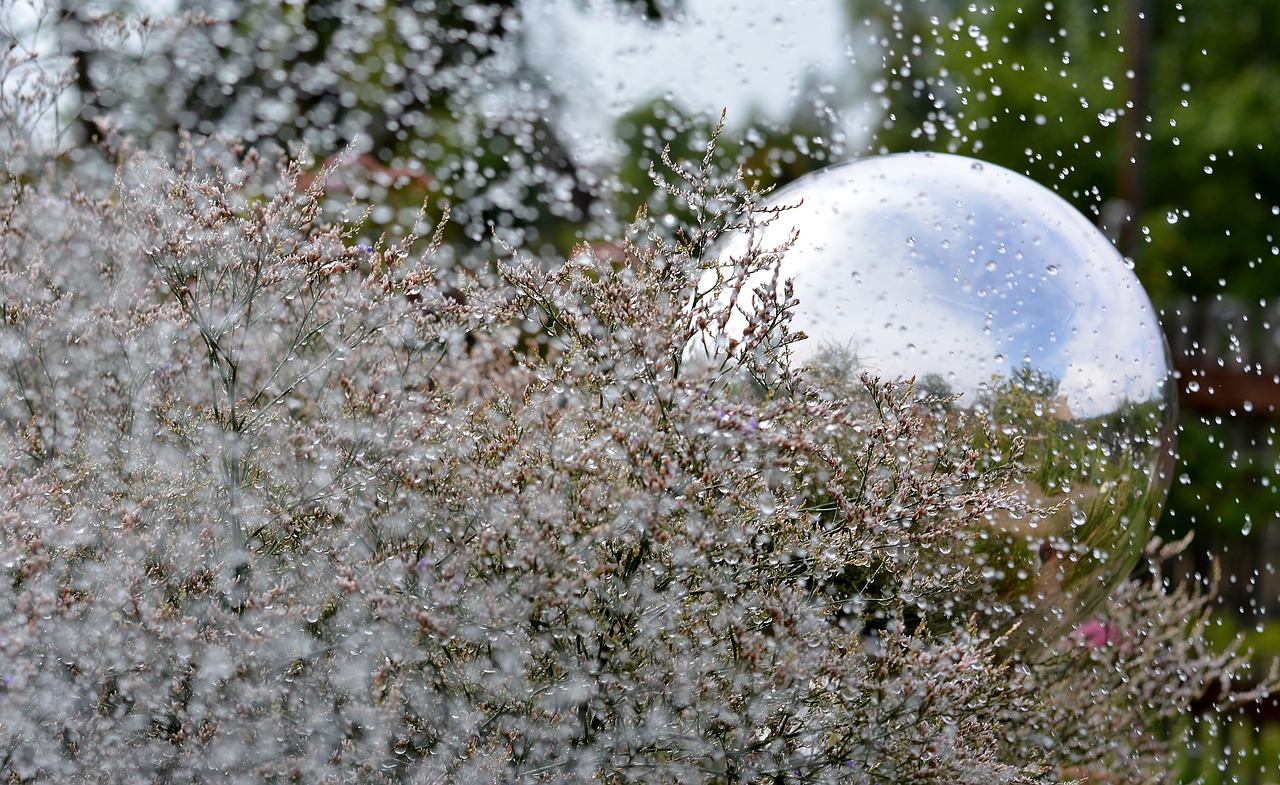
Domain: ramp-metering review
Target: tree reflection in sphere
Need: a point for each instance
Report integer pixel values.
(998, 297)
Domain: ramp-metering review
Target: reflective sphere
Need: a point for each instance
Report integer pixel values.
(983, 285)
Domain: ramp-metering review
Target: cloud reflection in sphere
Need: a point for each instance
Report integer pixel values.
(981, 283)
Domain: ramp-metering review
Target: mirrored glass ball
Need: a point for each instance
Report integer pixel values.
(1011, 308)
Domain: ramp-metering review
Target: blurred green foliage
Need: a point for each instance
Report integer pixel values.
(443, 94)
(1170, 110)
(769, 153)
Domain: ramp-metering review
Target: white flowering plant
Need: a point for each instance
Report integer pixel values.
(284, 507)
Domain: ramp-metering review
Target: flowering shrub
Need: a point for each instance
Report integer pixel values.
(284, 507)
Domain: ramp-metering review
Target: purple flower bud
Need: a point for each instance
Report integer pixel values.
(1096, 633)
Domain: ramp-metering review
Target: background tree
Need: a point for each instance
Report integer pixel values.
(441, 97)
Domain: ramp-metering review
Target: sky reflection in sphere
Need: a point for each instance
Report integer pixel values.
(982, 284)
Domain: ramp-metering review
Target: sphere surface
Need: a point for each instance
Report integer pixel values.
(981, 284)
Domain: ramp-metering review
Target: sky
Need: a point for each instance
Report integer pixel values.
(739, 55)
